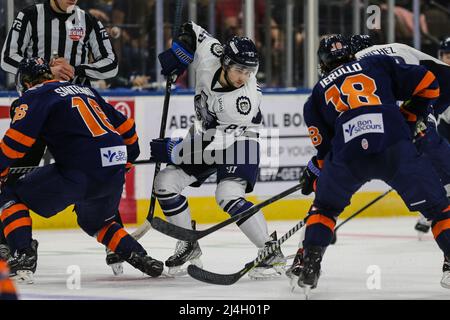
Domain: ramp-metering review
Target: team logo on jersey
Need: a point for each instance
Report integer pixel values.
(243, 105)
(113, 156)
(20, 112)
(365, 123)
(76, 33)
(217, 49)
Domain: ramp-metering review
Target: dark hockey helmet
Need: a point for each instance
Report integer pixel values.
(333, 51)
(240, 52)
(444, 47)
(31, 70)
(360, 42)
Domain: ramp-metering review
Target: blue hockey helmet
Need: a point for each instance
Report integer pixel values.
(32, 71)
(240, 52)
(444, 47)
(360, 42)
(333, 51)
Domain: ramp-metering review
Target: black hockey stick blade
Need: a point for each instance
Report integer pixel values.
(229, 279)
(194, 235)
(216, 278)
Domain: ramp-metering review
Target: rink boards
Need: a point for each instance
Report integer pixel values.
(284, 153)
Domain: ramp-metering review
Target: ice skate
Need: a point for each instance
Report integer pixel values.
(23, 264)
(184, 252)
(272, 266)
(445, 281)
(115, 262)
(294, 270)
(146, 264)
(310, 273)
(422, 227)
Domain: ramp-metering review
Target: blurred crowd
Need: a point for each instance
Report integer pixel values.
(132, 28)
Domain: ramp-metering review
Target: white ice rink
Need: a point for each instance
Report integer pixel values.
(383, 253)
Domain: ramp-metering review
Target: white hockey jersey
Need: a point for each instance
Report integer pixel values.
(406, 54)
(403, 52)
(235, 114)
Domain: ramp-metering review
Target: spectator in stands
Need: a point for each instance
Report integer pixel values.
(134, 47)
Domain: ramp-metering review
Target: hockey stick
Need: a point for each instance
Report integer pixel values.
(228, 279)
(334, 239)
(145, 227)
(194, 235)
(32, 168)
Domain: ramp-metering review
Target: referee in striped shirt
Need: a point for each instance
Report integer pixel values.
(76, 43)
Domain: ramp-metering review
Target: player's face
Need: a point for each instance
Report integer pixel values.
(445, 57)
(238, 76)
(65, 4)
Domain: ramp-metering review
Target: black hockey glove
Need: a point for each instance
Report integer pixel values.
(162, 150)
(309, 176)
(175, 60)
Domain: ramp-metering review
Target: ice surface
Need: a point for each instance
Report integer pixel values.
(384, 253)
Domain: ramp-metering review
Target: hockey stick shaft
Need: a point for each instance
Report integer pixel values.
(362, 209)
(145, 227)
(194, 235)
(228, 279)
(32, 168)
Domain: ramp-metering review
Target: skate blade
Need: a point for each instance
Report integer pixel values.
(264, 274)
(420, 235)
(293, 282)
(181, 271)
(445, 282)
(307, 291)
(23, 276)
(117, 268)
(174, 272)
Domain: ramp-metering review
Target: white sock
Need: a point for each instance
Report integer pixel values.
(182, 219)
(255, 228)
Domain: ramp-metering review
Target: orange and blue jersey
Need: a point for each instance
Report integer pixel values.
(353, 109)
(81, 130)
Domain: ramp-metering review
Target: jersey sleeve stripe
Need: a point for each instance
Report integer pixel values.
(429, 93)
(9, 152)
(411, 117)
(20, 137)
(131, 140)
(125, 127)
(425, 82)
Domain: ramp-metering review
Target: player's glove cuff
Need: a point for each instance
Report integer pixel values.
(182, 54)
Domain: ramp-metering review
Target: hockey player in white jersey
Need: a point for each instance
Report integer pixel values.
(227, 100)
(428, 140)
